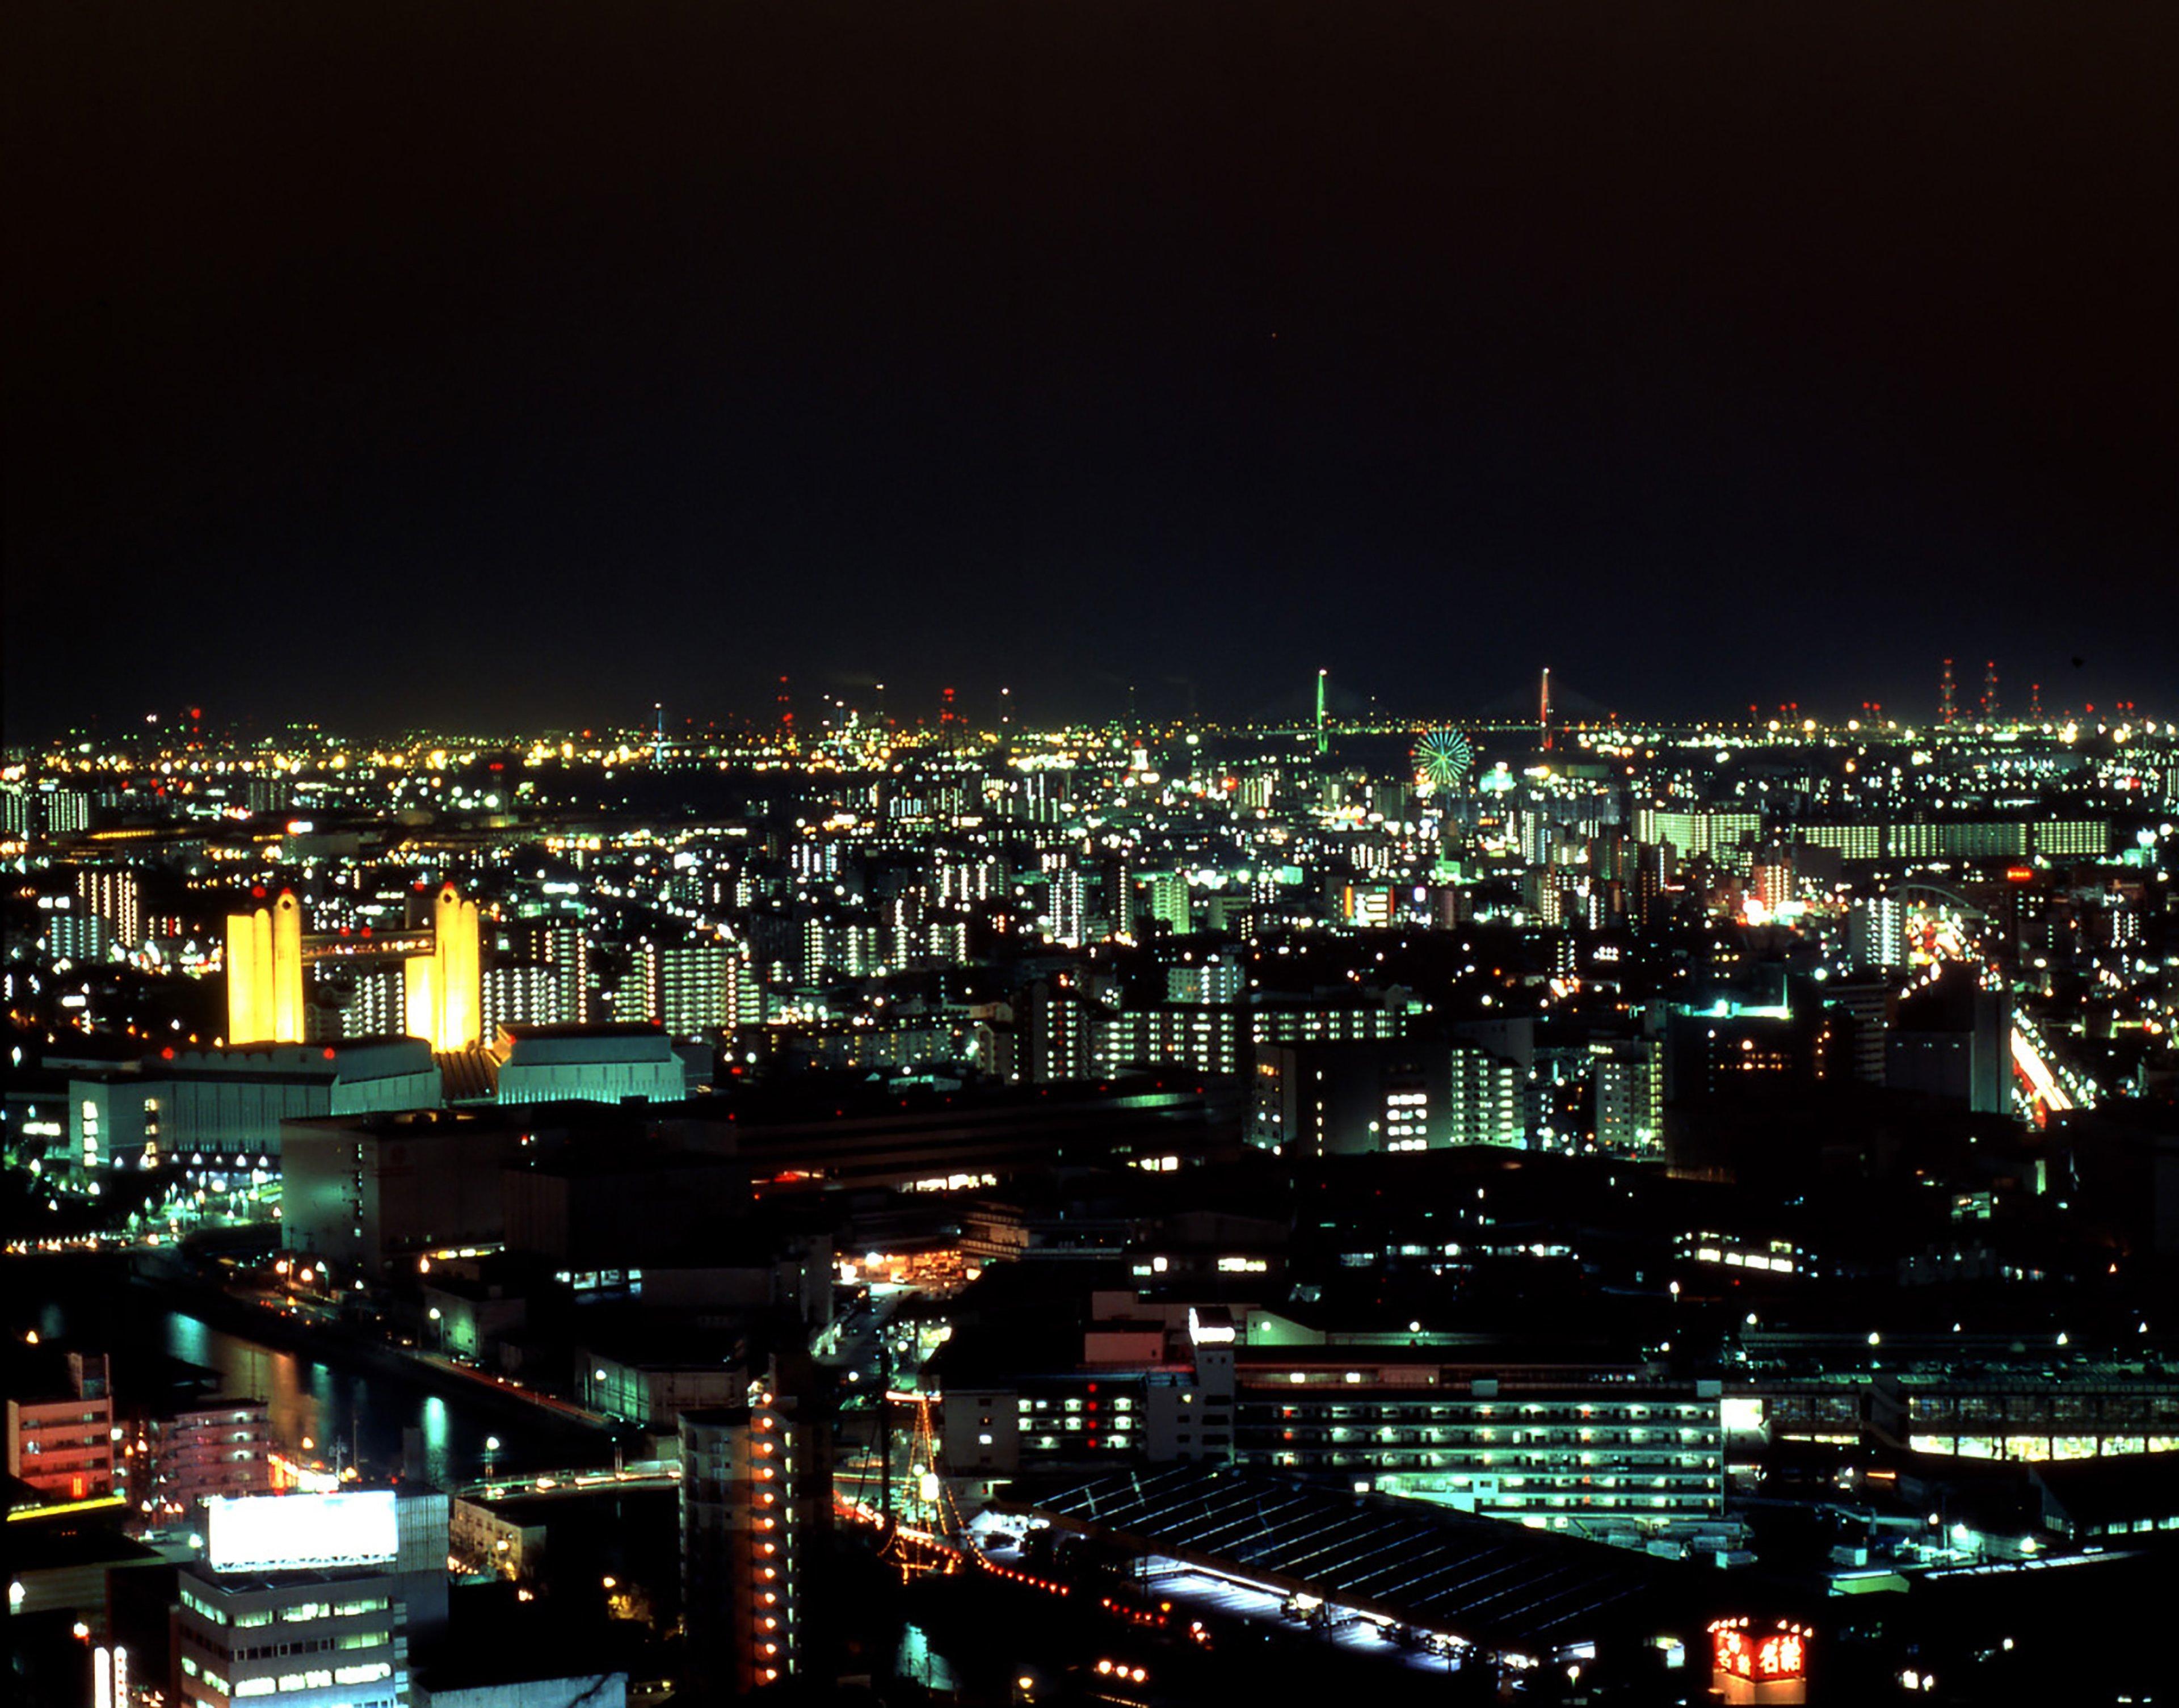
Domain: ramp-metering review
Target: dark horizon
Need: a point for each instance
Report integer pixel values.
(380, 367)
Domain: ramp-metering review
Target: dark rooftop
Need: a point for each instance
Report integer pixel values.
(1491, 1583)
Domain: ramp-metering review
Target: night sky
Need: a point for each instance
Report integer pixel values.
(515, 364)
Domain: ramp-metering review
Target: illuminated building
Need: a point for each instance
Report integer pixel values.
(1729, 1050)
(1722, 836)
(695, 987)
(1525, 1435)
(311, 1601)
(1963, 839)
(226, 1105)
(1215, 979)
(595, 1064)
(755, 1500)
(265, 974)
(224, 1449)
(1164, 898)
(64, 1446)
(1630, 1098)
(1544, 1441)
(1876, 934)
(444, 990)
(368, 1192)
(1055, 1031)
(113, 897)
(1317, 1100)
(69, 931)
(1865, 1001)
(1753, 1666)
(1203, 1038)
(1771, 882)
(522, 996)
(1483, 1099)
(45, 811)
(369, 1002)
(114, 1121)
(703, 985)
(568, 951)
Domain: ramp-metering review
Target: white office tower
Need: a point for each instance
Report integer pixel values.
(311, 1601)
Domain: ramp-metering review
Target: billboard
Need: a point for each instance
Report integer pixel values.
(299, 1532)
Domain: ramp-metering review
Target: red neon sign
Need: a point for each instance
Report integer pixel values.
(1780, 1655)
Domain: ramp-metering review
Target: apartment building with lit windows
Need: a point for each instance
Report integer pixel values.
(755, 1502)
(62, 1446)
(1536, 1442)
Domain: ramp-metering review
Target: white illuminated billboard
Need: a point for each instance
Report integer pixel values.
(291, 1533)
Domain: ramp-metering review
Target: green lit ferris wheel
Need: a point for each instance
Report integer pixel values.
(1443, 758)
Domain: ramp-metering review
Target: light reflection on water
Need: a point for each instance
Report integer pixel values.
(345, 1416)
(346, 1412)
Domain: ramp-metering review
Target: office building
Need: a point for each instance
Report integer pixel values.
(311, 1601)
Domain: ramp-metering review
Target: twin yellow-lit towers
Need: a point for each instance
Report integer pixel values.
(442, 992)
(265, 974)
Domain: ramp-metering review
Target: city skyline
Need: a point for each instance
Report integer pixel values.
(1098, 855)
(735, 1193)
(1982, 695)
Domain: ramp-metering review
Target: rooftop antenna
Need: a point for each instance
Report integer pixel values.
(1989, 691)
(1321, 745)
(1543, 713)
(1947, 695)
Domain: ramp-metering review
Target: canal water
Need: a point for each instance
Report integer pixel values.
(334, 1405)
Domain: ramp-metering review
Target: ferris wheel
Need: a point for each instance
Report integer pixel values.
(1442, 758)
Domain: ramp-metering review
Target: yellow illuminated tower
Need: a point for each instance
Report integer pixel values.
(287, 934)
(265, 974)
(443, 992)
(460, 970)
(419, 1001)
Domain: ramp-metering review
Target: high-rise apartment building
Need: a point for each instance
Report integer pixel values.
(223, 1450)
(567, 949)
(1630, 1097)
(1483, 1099)
(1876, 934)
(756, 1501)
(112, 895)
(521, 995)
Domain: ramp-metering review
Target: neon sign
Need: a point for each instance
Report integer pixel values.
(1763, 1658)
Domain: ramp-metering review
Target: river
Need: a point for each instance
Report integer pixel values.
(380, 1410)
